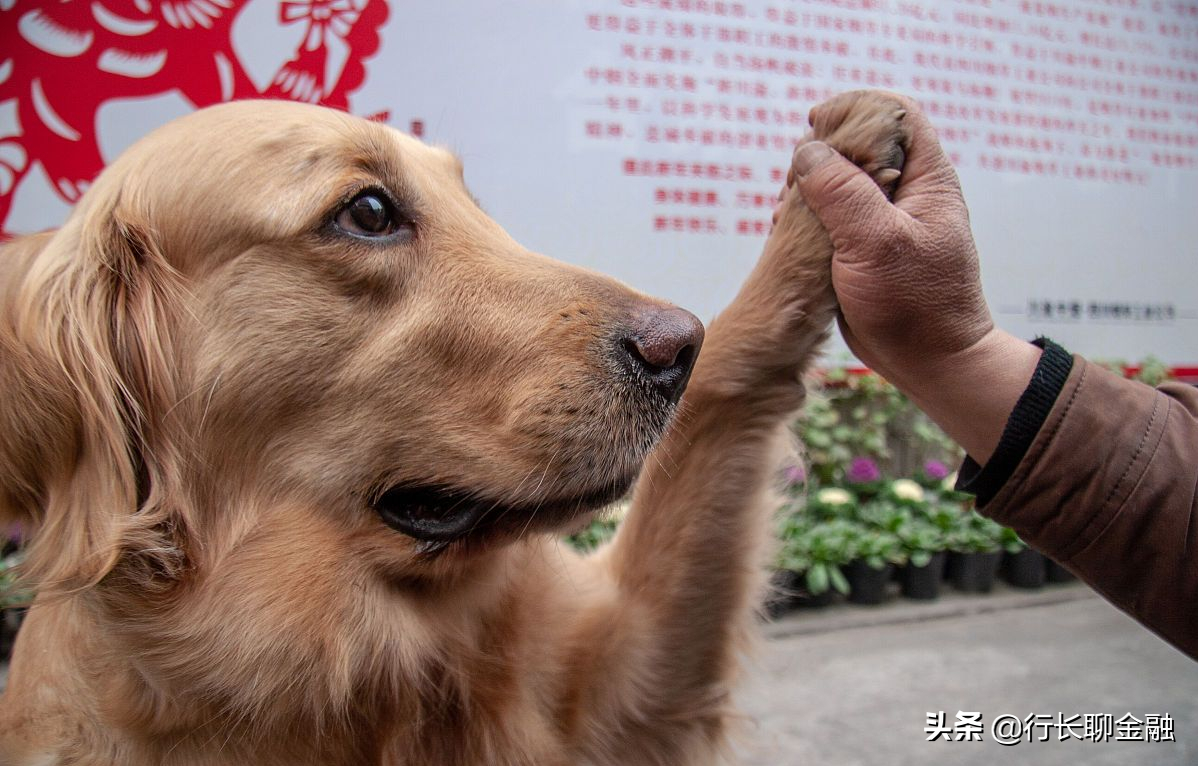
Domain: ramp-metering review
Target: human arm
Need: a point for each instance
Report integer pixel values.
(1107, 488)
(1104, 478)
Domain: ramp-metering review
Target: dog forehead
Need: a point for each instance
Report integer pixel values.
(276, 136)
(270, 165)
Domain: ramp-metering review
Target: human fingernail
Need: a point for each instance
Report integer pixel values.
(810, 156)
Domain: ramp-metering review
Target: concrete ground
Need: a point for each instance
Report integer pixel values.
(852, 686)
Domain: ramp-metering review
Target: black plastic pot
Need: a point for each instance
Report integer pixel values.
(866, 584)
(808, 600)
(1054, 572)
(789, 592)
(923, 583)
(1025, 569)
(973, 572)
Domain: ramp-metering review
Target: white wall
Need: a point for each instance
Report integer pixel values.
(514, 86)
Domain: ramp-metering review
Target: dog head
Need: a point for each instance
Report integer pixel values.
(273, 316)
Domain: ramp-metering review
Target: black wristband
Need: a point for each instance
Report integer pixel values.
(1023, 424)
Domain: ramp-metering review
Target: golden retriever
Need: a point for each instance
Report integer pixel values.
(297, 428)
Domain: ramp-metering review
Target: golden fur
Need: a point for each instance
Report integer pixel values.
(204, 386)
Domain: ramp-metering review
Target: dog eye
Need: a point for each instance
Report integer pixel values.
(368, 215)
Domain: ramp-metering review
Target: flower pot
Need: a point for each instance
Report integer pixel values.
(831, 576)
(808, 600)
(866, 584)
(973, 572)
(1054, 572)
(1025, 569)
(788, 591)
(923, 583)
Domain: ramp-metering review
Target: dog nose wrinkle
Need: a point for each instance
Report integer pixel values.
(662, 348)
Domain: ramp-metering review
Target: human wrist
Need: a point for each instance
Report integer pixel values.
(1023, 425)
(970, 393)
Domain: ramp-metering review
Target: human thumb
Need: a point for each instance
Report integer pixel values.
(847, 201)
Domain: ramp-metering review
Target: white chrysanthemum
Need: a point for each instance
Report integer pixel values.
(950, 482)
(907, 490)
(833, 496)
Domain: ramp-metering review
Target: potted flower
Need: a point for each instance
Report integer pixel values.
(873, 556)
(826, 439)
(845, 427)
(923, 545)
(1023, 567)
(946, 516)
(934, 475)
(863, 475)
(922, 530)
(830, 503)
(907, 493)
(884, 514)
(815, 551)
(975, 551)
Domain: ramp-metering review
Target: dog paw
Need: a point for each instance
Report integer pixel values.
(866, 126)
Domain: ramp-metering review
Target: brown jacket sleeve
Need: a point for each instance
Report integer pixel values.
(1107, 488)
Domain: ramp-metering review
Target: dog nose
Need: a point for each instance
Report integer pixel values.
(661, 349)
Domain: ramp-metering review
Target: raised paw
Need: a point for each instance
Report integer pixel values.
(866, 126)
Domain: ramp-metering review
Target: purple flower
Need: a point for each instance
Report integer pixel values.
(863, 470)
(935, 470)
(794, 474)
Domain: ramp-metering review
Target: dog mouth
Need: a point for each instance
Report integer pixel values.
(438, 515)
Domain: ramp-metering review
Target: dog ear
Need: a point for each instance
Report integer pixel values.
(92, 470)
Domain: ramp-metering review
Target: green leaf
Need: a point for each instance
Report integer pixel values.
(819, 440)
(838, 580)
(817, 579)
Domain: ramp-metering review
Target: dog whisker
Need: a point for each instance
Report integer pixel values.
(536, 491)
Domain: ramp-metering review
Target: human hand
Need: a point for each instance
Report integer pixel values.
(906, 274)
(907, 280)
